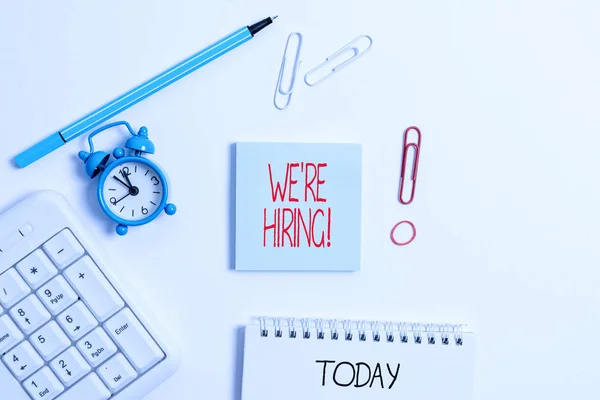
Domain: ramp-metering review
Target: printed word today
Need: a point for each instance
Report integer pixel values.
(358, 375)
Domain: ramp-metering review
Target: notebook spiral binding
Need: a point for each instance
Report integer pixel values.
(432, 334)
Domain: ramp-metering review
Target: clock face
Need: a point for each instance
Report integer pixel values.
(133, 190)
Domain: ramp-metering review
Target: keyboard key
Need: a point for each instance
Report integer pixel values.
(50, 340)
(136, 342)
(44, 385)
(36, 268)
(57, 295)
(77, 320)
(117, 373)
(94, 288)
(9, 334)
(12, 288)
(70, 366)
(23, 360)
(63, 249)
(89, 388)
(97, 347)
(30, 314)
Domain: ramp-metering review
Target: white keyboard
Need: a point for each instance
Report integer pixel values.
(68, 329)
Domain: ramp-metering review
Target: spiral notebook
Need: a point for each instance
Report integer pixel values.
(300, 359)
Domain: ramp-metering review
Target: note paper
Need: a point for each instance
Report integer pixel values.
(298, 206)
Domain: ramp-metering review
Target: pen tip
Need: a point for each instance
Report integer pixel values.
(275, 17)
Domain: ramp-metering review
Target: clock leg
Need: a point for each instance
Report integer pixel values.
(170, 209)
(122, 230)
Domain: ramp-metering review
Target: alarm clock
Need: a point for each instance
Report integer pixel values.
(132, 190)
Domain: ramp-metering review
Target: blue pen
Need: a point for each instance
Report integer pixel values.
(139, 93)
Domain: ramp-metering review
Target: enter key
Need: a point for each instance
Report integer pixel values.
(135, 341)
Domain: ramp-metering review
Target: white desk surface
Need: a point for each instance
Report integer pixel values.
(505, 92)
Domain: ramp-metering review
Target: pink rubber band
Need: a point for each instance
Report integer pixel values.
(410, 240)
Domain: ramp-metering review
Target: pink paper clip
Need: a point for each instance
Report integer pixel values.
(406, 147)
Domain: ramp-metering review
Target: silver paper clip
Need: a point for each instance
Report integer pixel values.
(350, 47)
(278, 88)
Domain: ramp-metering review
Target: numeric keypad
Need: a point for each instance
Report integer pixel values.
(65, 330)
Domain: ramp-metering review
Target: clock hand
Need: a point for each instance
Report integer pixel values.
(128, 193)
(126, 185)
(126, 176)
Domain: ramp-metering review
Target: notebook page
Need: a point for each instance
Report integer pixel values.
(277, 368)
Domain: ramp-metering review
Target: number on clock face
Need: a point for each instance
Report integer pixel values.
(132, 190)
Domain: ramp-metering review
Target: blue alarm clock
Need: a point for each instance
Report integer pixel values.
(132, 190)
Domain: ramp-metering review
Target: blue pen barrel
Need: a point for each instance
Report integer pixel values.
(133, 96)
(38, 150)
(139, 93)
